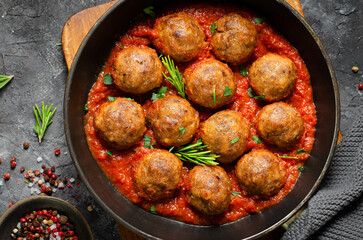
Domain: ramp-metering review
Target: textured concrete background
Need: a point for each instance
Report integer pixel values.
(29, 33)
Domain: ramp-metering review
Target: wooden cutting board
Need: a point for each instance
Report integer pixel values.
(74, 31)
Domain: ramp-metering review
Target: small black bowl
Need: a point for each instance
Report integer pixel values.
(11, 217)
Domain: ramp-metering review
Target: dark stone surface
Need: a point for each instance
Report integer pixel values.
(30, 31)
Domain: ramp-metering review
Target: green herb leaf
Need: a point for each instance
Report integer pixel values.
(259, 20)
(250, 93)
(227, 91)
(171, 149)
(242, 70)
(147, 121)
(121, 47)
(44, 117)
(196, 153)
(160, 55)
(301, 151)
(109, 153)
(111, 99)
(182, 130)
(152, 210)
(214, 97)
(150, 10)
(5, 80)
(234, 140)
(147, 141)
(130, 99)
(235, 193)
(191, 196)
(175, 77)
(85, 107)
(261, 31)
(151, 146)
(59, 44)
(160, 93)
(288, 157)
(163, 90)
(300, 168)
(213, 27)
(256, 139)
(107, 79)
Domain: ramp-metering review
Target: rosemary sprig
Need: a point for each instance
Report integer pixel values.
(43, 116)
(175, 77)
(195, 153)
(4, 80)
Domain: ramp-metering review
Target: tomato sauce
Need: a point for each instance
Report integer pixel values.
(119, 166)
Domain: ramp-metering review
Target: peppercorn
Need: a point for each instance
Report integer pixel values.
(54, 176)
(52, 182)
(49, 173)
(12, 159)
(355, 69)
(13, 164)
(43, 166)
(360, 86)
(22, 169)
(37, 173)
(62, 219)
(48, 191)
(52, 169)
(26, 145)
(7, 176)
(46, 178)
(57, 152)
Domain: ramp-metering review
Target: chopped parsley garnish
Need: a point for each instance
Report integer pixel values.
(227, 91)
(130, 99)
(150, 10)
(250, 93)
(300, 168)
(259, 20)
(111, 99)
(109, 153)
(182, 130)
(288, 157)
(121, 47)
(160, 93)
(85, 107)
(256, 139)
(152, 210)
(214, 97)
(301, 151)
(107, 79)
(147, 121)
(59, 44)
(191, 196)
(234, 140)
(242, 70)
(235, 193)
(147, 141)
(213, 27)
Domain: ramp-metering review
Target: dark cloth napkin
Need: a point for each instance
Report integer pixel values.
(336, 210)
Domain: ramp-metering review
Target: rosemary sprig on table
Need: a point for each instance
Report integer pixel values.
(5, 80)
(43, 116)
(195, 153)
(175, 77)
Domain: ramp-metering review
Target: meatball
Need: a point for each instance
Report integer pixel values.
(234, 39)
(210, 83)
(157, 175)
(226, 134)
(179, 36)
(280, 124)
(209, 192)
(260, 174)
(173, 120)
(137, 70)
(273, 76)
(120, 123)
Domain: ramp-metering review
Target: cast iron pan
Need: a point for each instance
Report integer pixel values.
(91, 57)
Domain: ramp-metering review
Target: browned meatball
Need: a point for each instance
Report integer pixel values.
(280, 124)
(178, 35)
(234, 39)
(157, 175)
(173, 120)
(120, 123)
(260, 173)
(209, 191)
(210, 83)
(137, 70)
(273, 76)
(226, 134)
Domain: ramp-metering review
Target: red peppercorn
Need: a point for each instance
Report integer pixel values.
(76, 197)
(22, 220)
(60, 233)
(360, 86)
(57, 152)
(22, 169)
(13, 165)
(70, 233)
(69, 185)
(54, 176)
(7, 176)
(40, 212)
(75, 238)
(12, 159)
(49, 173)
